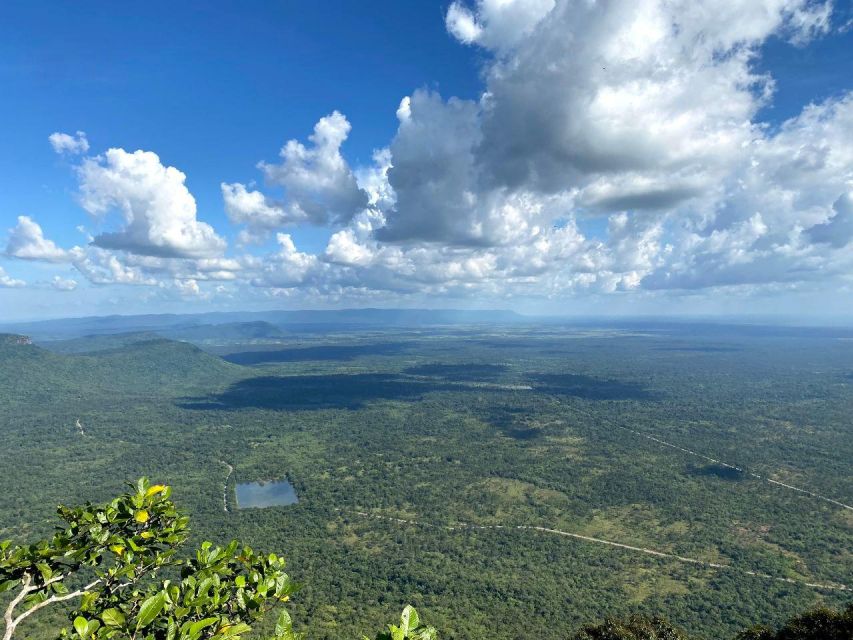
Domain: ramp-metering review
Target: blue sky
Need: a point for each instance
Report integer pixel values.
(517, 178)
(211, 87)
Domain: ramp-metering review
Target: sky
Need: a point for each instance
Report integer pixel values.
(630, 157)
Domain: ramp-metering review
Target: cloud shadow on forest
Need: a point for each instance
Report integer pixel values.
(717, 471)
(314, 392)
(459, 372)
(588, 388)
(701, 349)
(341, 353)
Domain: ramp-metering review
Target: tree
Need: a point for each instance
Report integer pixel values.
(107, 558)
(634, 628)
(817, 624)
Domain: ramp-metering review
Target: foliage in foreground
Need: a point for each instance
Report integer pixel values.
(107, 559)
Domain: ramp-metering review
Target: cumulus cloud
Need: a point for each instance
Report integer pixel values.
(288, 267)
(252, 208)
(104, 267)
(63, 284)
(64, 143)
(188, 288)
(643, 111)
(433, 171)
(615, 147)
(781, 216)
(8, 281)
(319, 186)
(600, 89)
(27, 242)
(621, 105)
(497, 24)
(838, 230)
(158, 210)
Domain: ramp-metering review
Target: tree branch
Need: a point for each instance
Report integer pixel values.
(56, 598)
(9, 616)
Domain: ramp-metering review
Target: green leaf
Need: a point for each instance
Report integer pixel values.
(202, 624)
(80, 626)
(8, 584)
(284, 624)
(88, 600)
(92, 626)
(45, 570)
(239, 629)
(150, 609)
(172, 629)
(59, 588)
(409, 619)
(113, 618)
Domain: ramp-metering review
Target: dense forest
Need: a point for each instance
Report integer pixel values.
(488, 475)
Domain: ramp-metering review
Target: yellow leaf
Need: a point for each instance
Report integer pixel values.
(117, 549)
(146, 534)
(141, 516)
(157, 488)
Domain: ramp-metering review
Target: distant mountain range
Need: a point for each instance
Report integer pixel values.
(261, 326)
(257, 324)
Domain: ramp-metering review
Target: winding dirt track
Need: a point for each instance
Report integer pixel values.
(654, 438)
(610, 543)
(225, 486)
(731, 466)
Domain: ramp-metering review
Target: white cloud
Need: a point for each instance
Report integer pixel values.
(639, 110)
(288, 267)
(373, 180)
(615, 148)
(63, 284)
(838, 230)
(27, 242)
(462, 24)
(252, 208)
(497, 24)
(8, 281)
(344, 248)
(158, 209)
(808, 21)
(782, 215)
(319, 185)
(102, 267)
(188, 288)
(64, 143)
(433, 172)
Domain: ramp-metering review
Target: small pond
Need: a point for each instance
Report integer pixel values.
(265, 494)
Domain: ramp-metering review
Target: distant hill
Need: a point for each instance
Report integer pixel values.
(98, 342)
(227, 332)
(221, 325)
(31, 373)
(160, 362)
(241, 332)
